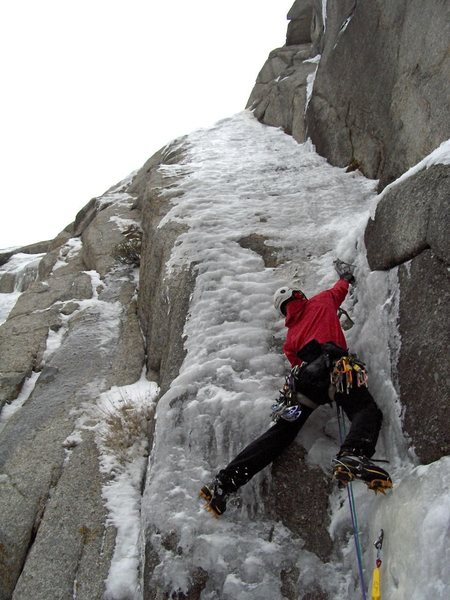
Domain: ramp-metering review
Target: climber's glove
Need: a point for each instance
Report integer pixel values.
(348, 277)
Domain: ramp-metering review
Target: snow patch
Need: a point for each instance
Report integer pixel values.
(309, 87)
(324, 15)
(9, 410)
(123, 224)
(69, 250)
(439, 156)
(122, 420)
(23, 268)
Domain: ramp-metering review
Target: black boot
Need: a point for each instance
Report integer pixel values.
(348, 466)
(215, 497)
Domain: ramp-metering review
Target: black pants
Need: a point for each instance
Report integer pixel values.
(358, 405)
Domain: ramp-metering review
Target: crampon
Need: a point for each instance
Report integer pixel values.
(215, 499)
(347, 468)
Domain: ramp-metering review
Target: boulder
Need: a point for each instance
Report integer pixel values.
(280, 94)
(411, 216)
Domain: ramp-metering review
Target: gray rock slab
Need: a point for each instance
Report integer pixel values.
(7, 283)
(257, 243)
(51, 511)
(85, 216)
(71, 553)
(381, 92)
(140, 181)
(22, 345)
(102, 235)
(412, 216)
(23, 336)
(162, 320)
(439, 223)
(58, 289)
(422, 365)
(129, 357)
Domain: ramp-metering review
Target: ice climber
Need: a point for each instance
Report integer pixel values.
(322, 371)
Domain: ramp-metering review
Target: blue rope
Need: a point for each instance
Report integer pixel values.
(351, 500)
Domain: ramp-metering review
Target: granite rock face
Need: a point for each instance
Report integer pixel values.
(380, 96)
(281, 92)
(410, 231)
(72, 335)
(37, 248)
(298, 491)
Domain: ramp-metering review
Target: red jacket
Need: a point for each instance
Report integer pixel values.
(315, 318)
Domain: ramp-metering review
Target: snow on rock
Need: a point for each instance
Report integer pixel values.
(121, 421)
(9, 409)
(440, 156)
(67, 251)
(7, 302)
(16, 276)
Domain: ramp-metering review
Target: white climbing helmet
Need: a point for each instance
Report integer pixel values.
(281, 295)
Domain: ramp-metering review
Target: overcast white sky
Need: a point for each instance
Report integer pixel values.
(92, 88)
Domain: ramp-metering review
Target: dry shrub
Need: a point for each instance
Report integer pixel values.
(128, 251)
(125, 426)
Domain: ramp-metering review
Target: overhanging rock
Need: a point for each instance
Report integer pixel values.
(412, 215)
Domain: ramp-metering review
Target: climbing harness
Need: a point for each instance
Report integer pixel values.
(286, 407)
(347, 371)
(290, 402)
(376, 587)
(354, 516)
